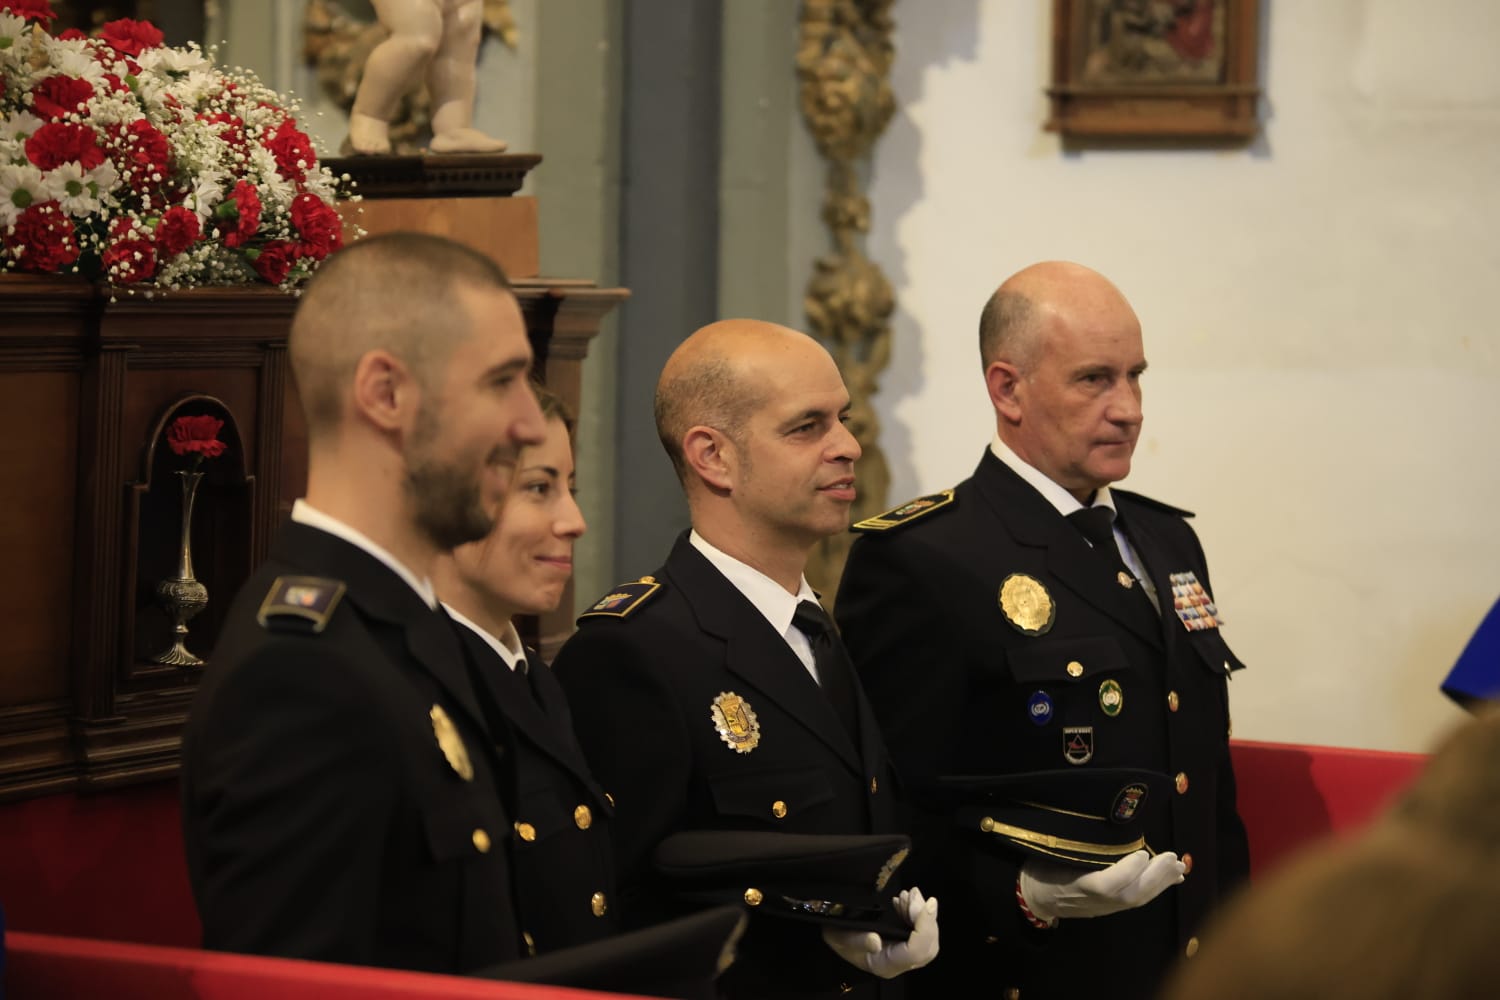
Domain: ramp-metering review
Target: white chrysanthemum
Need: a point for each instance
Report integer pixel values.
(15, 40)
(275, 190)
(82, 192)
(208, 191)
(152, 91)
(193, 89)
(321, 183)
(73, 59)
(167, 61)
(18, 126)
(21, 186)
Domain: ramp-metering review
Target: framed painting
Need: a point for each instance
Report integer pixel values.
(1155, 68)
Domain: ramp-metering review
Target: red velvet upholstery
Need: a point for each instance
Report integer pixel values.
(1291, 794)
(108, 865)
(39, 965)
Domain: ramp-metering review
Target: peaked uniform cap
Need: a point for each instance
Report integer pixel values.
(829, 879)
(1087, 818)
(679, 958)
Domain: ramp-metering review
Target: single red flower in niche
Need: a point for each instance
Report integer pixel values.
(197, 436)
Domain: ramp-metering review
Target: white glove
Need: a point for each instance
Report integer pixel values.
(888, 959)
(1055, 891)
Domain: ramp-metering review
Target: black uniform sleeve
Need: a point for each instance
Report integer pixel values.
(291, 788)
(893, 621)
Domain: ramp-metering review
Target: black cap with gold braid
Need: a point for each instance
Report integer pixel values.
(1088, 819)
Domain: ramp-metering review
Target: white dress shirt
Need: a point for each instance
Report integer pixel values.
(305, 513)
(768, 596)
(507, 645)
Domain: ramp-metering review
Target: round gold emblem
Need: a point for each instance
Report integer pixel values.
(1026, 604)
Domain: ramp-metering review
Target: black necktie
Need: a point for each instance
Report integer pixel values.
(1097, 525)
(835, 672)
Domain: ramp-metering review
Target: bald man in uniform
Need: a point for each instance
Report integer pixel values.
(996, 635)
(713, 694)
(342, 789)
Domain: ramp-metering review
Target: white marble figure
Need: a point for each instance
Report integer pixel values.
(441, 37)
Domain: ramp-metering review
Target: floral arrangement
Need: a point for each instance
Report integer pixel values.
(197, 436)
(126, 160)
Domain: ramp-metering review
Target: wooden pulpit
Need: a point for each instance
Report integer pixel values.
(94, 501)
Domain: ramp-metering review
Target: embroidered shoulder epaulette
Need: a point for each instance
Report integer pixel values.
(1147, 501)
(300, 603)
(906, 513)
(624, 599)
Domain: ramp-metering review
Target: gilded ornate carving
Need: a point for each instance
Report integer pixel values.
(843, 65)
(337, 44)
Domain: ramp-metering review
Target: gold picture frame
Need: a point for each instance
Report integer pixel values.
(1155, 68)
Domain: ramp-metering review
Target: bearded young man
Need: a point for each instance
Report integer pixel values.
(342, 793)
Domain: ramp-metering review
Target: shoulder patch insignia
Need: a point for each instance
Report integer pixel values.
(906, 513)
(624, 599)
(305, 603)
(1147, 501)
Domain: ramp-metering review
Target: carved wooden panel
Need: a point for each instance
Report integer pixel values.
(94, 511)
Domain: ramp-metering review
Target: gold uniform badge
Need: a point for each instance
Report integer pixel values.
(451, 743)
(736, 722)
(1026, 604)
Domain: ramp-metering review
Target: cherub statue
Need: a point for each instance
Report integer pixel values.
(440, 37)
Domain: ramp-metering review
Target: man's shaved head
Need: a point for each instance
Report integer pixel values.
(1011, 325)
(712, 379)
(397, 292)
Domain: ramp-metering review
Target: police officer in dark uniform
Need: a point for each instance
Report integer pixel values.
(559, 839)
(1033, 619)
(713, 694)
(342, 786)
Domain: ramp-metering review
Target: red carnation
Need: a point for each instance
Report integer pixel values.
(274, 261)
(242, 208)
(130, 36)
(293, 151)
(71, 35)
(127, 261)
(59, 96)
(177, 230)
(321, 228)
(43, 239)
(196, 436)
(141, 151)
(56, 143)
(40, 10)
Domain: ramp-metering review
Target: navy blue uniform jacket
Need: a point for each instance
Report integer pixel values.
(642, 688)
(953, 684)
(322, 817)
